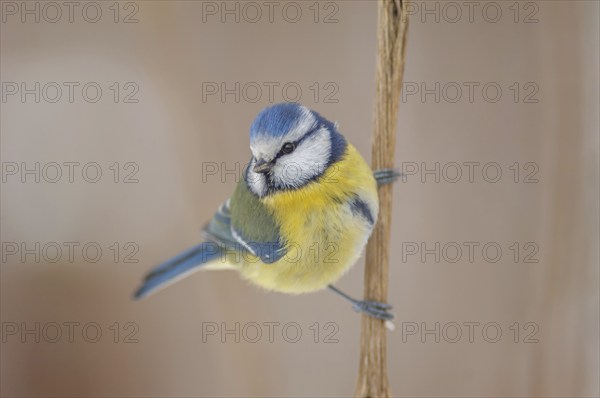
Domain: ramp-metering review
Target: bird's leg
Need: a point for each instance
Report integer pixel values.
(372, 308)
(386, 176)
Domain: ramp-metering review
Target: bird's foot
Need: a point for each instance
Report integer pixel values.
(374, 309)
(386, 176)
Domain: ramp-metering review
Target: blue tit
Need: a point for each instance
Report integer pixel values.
(300, 216)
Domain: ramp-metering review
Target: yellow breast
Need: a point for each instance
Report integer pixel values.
(324, 235)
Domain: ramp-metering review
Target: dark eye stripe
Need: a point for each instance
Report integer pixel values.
(298, 141)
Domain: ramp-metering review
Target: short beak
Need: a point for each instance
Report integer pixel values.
(262, 166)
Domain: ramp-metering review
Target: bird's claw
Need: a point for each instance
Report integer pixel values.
(386, 176)
(374, 309)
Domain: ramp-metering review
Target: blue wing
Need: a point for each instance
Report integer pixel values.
(178, 268)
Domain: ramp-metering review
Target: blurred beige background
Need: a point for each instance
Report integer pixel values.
(167, 60)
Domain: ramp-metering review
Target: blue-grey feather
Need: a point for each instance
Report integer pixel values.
(361, 208)
(182, 263)
(277, 120)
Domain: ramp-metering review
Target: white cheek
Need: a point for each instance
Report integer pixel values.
(308, 161)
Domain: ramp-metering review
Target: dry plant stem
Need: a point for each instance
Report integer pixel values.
(391, 38)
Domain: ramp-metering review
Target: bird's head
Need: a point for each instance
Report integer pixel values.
(291, 147)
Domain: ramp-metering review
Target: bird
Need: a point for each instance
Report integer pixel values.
(299, 218)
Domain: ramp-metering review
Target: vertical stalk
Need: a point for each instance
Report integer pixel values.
(391, 38)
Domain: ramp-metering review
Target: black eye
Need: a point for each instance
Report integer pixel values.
(288, 147)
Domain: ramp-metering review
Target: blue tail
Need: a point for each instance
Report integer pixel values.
(178, 267)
